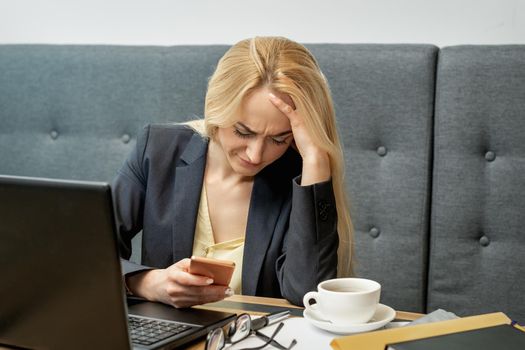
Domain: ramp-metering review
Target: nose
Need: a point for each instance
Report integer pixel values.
(255, 150)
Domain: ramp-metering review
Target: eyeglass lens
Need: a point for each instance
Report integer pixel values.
(215, 339)
(242, 329)
(232, 333)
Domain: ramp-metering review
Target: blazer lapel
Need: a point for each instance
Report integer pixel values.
(187, 188)
(265, 206)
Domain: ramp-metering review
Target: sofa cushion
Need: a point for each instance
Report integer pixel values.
(384, 99)
(74, 111)
(478, 201)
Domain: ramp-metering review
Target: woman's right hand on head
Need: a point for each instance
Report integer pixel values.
(175, 286)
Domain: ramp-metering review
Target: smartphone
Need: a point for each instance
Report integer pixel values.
(220, 270)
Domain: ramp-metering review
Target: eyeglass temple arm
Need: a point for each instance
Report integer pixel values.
(275, 342)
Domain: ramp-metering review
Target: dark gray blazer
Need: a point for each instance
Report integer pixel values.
(291, 235)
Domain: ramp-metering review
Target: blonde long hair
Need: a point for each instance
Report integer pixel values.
(287, 67)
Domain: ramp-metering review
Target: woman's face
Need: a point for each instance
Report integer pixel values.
(260, 135)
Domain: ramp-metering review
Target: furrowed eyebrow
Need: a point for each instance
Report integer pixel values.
(254, 132)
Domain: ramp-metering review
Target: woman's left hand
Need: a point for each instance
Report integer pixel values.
(316, 163)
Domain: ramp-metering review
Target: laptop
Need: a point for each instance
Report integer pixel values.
(60, 277)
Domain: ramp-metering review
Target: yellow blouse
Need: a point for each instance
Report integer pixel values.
(204, 244)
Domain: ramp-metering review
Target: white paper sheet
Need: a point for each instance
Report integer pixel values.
(308, 337)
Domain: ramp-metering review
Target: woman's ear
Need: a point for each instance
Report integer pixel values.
(213, 133)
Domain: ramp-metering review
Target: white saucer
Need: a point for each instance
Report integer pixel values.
(382, 316)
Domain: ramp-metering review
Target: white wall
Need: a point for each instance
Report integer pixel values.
(170, 22)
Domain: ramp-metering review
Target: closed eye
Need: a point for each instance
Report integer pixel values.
(279, 140)
(242, 134)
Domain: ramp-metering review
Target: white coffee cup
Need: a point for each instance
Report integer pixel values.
(344, 301)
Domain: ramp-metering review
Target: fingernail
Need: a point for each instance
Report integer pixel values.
(271, 95)
(209, 281)
(228, 292)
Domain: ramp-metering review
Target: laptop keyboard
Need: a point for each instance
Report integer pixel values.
(146, 331)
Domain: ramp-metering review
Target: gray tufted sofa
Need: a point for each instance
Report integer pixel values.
(434, 143)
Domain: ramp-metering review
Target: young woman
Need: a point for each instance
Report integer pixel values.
(259, 181)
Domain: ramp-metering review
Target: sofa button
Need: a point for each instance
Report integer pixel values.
(374, 232)
(484, 241)
(490, 156)
(125, 138)
(381, 150)
(53, 134)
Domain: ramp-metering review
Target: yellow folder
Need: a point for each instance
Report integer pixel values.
(380, 339)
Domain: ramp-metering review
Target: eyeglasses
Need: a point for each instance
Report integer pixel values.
(242, 327)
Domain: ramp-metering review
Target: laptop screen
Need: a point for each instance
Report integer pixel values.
(61, 282)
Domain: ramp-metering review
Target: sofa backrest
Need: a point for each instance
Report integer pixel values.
(73, 112)
(477, 231)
